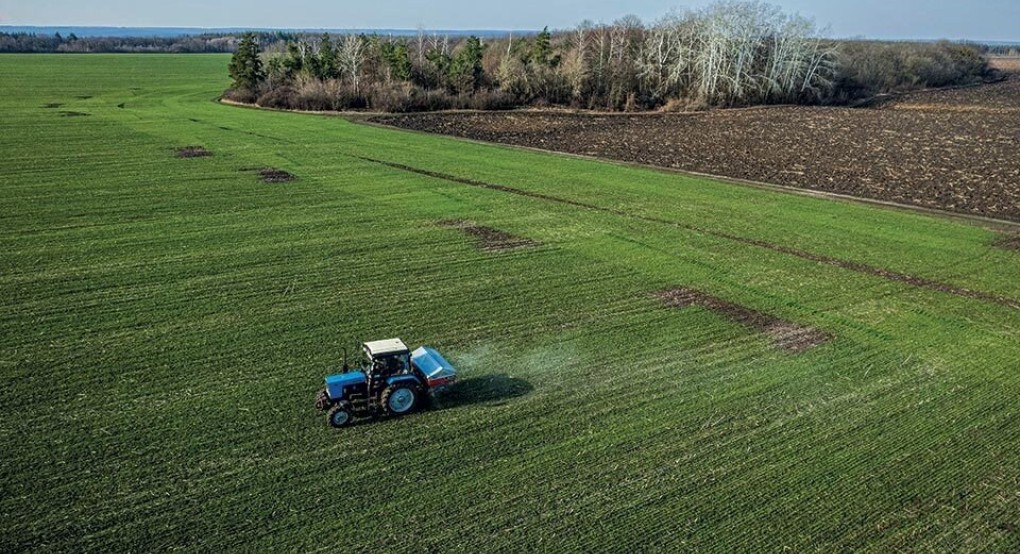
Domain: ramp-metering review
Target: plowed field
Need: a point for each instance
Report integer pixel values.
(955, 150)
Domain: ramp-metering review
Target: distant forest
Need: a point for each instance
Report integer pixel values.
(728, 54)
(33, 43)
(174, 41)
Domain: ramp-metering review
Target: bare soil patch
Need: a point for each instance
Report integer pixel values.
(784, 334)
(193, 152)
(53, 105)
(272, 175)
(66, 113)
(489, 239)
(953, 150)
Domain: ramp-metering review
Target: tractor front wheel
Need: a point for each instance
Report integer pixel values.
(399, 400)
(340, 415)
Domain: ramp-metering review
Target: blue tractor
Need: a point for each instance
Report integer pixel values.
(392, 380)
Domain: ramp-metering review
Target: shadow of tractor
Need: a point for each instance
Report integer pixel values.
(489, 389)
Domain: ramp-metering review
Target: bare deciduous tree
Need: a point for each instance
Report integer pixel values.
(351, 58)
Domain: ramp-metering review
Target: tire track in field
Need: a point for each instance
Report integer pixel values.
(920, 282)
(235, 130)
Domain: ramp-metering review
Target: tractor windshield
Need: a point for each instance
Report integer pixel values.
(393, 364)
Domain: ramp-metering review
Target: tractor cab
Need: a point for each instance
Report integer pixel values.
(386, 358)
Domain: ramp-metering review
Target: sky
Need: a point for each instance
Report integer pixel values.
(885, 19)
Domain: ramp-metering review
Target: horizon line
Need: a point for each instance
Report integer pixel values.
(426, 29)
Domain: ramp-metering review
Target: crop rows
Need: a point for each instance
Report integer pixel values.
(166, 322)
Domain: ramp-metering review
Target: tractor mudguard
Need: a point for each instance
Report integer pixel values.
(404, 379)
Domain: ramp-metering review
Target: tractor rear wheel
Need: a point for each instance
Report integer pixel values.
(400, 399)
(340, 415)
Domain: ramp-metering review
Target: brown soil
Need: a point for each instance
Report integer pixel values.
(73, 114)
(490, 239)
(858, 267)
(954, 150)
(271, 175)
(784, 334)
(193, 152)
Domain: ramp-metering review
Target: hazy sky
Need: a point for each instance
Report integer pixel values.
(970, 19)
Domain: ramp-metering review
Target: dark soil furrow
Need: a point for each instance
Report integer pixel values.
(273, 175)
(193, 152)
(858, 267)
(784, 334)
(489, 238)
(1009, 242)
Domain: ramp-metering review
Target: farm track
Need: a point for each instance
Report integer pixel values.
(843, 264)
(952, 150)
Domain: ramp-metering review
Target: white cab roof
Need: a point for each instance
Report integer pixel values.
(383, 347)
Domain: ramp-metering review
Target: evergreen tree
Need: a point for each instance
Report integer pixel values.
(466, 69)
(541, 50)
(294, 63)
(246, 65)
(395, 54)
(438, 70)
(327, 66)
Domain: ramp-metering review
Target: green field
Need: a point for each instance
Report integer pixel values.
(166, 323)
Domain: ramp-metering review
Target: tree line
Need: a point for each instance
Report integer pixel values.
(72, 44)
(1007, 50)
(732, 53)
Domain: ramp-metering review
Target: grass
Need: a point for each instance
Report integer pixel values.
(166, 323)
